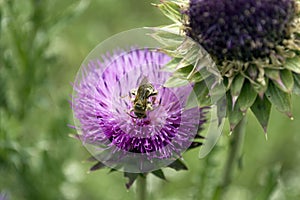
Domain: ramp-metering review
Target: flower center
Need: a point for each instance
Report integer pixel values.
(240, 29)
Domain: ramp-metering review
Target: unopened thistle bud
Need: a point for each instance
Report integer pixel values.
(254, 43)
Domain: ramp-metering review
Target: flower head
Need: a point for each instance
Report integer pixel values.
(128, 117)
(254, 43)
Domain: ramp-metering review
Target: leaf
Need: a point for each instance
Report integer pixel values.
(170, 10)
(185, 71)
(175, 82)
(236, 87)
(98, 165)
(234, 114)
(262, 109)
(296, 88)
(293, 64)
(173, 65)
(131, 178)
(94, 158)
(280, 99)
(195, 145)
(259, 88)
(91, 159)
(247, 97)
(159, 173)
(198, 136)
(112, 170)
(178, 165)
(167, 38)
(76, 136)
(287, 79)
(283, 79)
(221, 109)
(272, 178)
(202, 94)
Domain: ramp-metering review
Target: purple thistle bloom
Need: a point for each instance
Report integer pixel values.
(240, 29)
(3, 196)
(103, 104)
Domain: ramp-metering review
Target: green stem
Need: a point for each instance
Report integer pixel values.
(141, 188)
(236, 142)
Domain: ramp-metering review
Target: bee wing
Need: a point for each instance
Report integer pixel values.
(145, 80)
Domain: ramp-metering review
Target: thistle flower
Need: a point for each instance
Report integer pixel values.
(141, 130)
(254, 43)
(3, 196)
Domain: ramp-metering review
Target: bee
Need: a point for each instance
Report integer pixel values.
(142, 102)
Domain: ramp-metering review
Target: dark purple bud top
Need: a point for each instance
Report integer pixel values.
(239, 29)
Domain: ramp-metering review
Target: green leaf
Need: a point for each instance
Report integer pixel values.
(202, 93)
(170, 10)
(112, 170)
(296, 88)
(184, 72)
(131, 178)
(167, 38)
(174, 64)
(281, 100)
(236, 87)
(271, 182)
(259, 88)
(98, 165)
(293, 64)
(283, 79)
(262, 109)
(178, 165)
(159, 173)
(273, 74)
(234, 113)
(198, 136)
(221, 109)
(91, 159)
(287, 79)
(175, 82)
(247, 97)
(195, 145)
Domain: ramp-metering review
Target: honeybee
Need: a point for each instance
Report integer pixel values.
(141, 101)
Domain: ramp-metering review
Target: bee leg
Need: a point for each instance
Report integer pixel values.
(149, 106)
(129, 113)
(154, 93)
(124, 96)
(129, 95)
(133, 92)
(153, 100)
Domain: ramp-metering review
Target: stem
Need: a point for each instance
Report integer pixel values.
(236, 142)
(141, 188)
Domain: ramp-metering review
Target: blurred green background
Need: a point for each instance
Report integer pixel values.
(42, 44)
